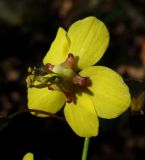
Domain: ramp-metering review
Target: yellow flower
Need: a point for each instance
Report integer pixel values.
(28, 156)
(86, 92)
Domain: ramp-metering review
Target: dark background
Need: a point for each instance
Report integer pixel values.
(27, 28)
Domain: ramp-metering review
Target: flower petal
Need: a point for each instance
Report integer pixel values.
(81, 116)
(111, 95)
(58, 50)
(89, 39)
(28, 156)
(45, 100)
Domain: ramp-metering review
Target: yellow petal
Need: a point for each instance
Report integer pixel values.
(82, 117)
(28, 156)
(45, 100)
(111, 95)
(58, 50)
(89, 39)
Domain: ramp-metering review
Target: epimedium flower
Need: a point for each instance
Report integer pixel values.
(68, 79)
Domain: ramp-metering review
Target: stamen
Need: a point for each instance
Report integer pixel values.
(50, 88)
(49, 67)
(70, 61)
(69, 97)
(81, 81)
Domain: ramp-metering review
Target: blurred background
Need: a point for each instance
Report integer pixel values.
(27, 28)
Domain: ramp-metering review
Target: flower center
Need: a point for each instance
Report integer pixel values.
(62, 77)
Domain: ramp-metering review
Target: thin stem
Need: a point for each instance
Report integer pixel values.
(37, 112)
(85, 148)
(45, 113)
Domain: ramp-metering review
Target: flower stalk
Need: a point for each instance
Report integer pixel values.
(85, 148)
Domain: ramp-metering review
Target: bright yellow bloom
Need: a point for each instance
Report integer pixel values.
(106, 96)
(28, 156)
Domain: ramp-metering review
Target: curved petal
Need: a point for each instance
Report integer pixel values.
(45, 100)
(89, 39)
(111, 95)
(82, 117)
(28, 156)
(58, 50)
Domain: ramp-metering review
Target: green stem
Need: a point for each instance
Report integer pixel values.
(85, 148)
